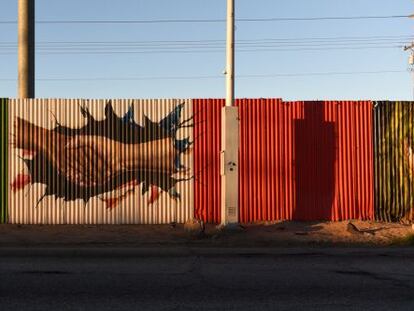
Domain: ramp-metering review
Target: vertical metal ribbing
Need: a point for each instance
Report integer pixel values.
(132, 209)
(4, 150)
(305, 160)
(267, 163)
(394, 161)
(376, 158)
(207, 133)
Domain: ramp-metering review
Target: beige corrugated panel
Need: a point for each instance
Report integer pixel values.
(134, 207)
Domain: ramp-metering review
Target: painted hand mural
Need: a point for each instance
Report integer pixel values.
(106, 158)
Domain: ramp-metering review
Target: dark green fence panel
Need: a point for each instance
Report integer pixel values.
(4, 150)
(394, 160)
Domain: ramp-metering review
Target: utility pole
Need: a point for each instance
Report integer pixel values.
(411, 58)
(411, 62)
(230, 135)
(26, 48)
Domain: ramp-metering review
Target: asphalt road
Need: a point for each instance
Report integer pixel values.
(209, 279)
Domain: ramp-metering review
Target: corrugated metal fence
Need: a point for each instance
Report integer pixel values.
(207, 146)
(394, 160)
(100, 161)
(298, 160)
(4, 150)
(305, 160)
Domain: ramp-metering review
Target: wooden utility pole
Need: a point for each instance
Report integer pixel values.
(26, 48)
(230, 135)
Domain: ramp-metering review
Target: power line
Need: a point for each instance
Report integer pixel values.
(345, 38)
(185, 21)
(200, 46)
(248, 76)
(203, 44)
(139, 47)
(211, 46)
(210, 51)
(327, 18)
(333, 73)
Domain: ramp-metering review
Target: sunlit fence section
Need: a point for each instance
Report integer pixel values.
(394, 160)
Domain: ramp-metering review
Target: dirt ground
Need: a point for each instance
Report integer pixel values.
(333, 233)
(253, 235)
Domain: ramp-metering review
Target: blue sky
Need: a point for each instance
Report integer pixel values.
(304, 50)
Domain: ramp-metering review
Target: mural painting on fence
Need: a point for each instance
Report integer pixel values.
(109, 158)
(394, 160)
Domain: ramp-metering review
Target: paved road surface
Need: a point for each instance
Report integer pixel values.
(209, 279)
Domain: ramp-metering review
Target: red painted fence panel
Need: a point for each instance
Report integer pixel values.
(298, 160)
(207, 146)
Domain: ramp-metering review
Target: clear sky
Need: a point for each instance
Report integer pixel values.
(290, 59)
